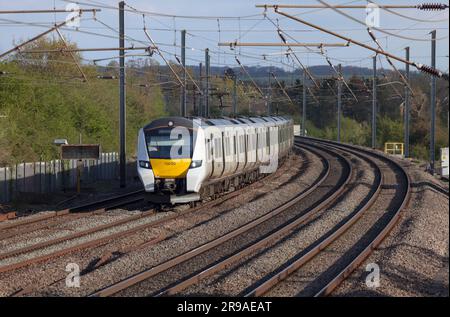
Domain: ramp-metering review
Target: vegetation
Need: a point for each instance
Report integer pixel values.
(43, 97)
(356, 121)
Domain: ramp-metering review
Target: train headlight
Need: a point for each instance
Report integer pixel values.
(196, 164)
(145, 164)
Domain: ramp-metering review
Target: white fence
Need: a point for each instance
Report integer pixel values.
(54, 176)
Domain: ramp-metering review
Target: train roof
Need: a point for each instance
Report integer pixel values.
(222, 121)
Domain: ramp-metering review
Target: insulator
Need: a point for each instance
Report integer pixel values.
(150, 51)
(281, 36)
(432, 6)
(371, 34)
(434, 72)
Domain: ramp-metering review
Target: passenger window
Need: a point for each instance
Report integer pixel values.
(227, 146)
(216, 147)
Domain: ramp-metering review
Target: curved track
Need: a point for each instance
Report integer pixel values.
(206, 259)
(104, 240)
(29, 224)
(321, 267)
(322, 282)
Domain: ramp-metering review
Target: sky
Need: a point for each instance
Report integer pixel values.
(211, 21)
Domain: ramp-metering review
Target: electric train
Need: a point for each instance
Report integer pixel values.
(186, 160)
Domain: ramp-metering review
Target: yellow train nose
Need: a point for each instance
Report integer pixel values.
(170, 168)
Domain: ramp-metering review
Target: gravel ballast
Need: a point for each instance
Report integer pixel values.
(180, 241)
(234, 280)
(413, 259)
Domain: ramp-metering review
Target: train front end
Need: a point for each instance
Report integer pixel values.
(171, 160)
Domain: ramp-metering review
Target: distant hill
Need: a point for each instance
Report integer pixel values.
(262, 73)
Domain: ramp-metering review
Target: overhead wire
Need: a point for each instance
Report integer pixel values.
(406, 16)
(339, 74)
(220, 53)
(159, 14)
(377, 28)
(402, 77)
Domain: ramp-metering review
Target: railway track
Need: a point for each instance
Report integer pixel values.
(177, 274)
(29, 224)
(106, 239)
(93, 243)
(227, 264)
(232, 280)
(202, 261)
(163, 272)
(318, 272)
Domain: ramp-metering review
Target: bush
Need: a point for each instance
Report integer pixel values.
(40, 108)
(419, 151)
(351, 131)
(389, 130)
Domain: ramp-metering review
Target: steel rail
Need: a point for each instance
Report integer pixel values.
(260, 244)
(81, 208)
(103, 260)
(100, 241)
(268, 284)
(9, 215)
(359, 259)
(73, 236)
(52, 221)
(105, 239)
(146, 274)
(17, 221)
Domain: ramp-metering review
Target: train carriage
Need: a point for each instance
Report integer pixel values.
(183, 160)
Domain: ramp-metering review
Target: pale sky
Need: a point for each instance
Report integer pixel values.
(252, 26)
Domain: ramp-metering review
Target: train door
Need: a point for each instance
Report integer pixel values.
(210, 151)
(218, 156)
(243, 149)
(224, 146)
(258, 154)
(235, 153)
(249, 149)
